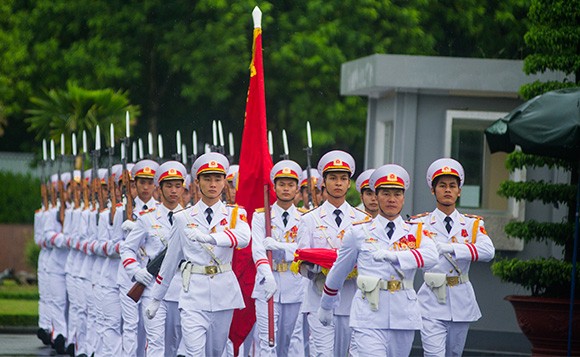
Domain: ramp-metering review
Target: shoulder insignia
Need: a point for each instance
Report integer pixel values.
(412, 222)
(234, 205)
(420, 215)
(363, 211)
(366, 220)
(260, 210)
(473, 216)
(147, 211)
(306, 211)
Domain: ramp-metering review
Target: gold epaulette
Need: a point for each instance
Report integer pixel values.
(367, 219)
(306, 211)
(365, 212)
(260, 210)
(473, 216)
(420, 215)
(147, 211)
(234, 205)
(412, 222)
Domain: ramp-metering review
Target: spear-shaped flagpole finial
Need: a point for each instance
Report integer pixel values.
(257, 17)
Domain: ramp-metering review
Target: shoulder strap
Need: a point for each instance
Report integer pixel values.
(419, 235)
(474, 230)
(234, 217)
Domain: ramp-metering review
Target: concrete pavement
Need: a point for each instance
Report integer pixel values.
(23, 345)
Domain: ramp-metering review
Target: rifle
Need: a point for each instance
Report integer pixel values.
(308, 150)
(76, 193)
(153, 268)
(126, 187)
(96, 181)
(193, 185)
(111, 191)
(43, 189)
(61, 184)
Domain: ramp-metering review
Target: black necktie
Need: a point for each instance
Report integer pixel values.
(170, 217)
(145, 207)
(448, 221)
(208, 213)
(285, 218)
(338, 220)
(390, 229)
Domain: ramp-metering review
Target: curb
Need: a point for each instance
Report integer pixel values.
(18, 330)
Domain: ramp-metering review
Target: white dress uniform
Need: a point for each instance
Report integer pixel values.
(450, 306)
(134, 337)
(55, 235)
(318, 229)
(108, 302)
(151, 235)
(290, 292)
(44, 325)
(210, 289)
(386, 329)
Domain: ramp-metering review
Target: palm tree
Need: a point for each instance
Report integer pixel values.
(75, 109)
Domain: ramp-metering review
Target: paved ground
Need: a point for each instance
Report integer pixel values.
(23, 345)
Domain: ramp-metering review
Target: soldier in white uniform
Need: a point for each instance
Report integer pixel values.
(134, 339)
(55, 236)
(151, 235)
(447, 298)
(108, 301)
(387, 252)
(232, 186)
(205, 236)
(284, 219)
(367, 195)
(324, 227)
(315, 185)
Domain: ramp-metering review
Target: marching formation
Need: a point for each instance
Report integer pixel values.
(136, 260)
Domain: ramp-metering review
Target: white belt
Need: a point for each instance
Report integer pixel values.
(395, 285)
(210, 269)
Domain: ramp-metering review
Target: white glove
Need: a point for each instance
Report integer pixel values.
(152, 308)
(384, 255)
(272, 244)
(325, 316)
(198, 236)
(444, 248)
(128, 226)
(268, 282)
(143, 276)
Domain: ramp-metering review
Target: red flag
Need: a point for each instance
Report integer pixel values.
(255, 166)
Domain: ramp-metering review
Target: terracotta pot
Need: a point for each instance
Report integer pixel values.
(544, 321)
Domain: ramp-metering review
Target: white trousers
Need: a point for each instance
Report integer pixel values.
(110, 328)
(285, 316)
(205, 333)
(74, 307)
(383, 342)
(134, 339)
(95, 329)
(154, 328)
(443, 338)
(84, 289)
(332, 340)
(58, 304)
(43, 298)
(174, 346)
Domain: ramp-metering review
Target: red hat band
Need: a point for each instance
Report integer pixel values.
(390, 180)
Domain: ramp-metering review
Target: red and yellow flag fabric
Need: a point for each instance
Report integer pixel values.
(255, 165)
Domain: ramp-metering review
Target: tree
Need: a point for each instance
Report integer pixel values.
(554, 41)
(76, 109)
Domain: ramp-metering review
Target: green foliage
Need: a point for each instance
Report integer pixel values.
(540, 231)
(518, 160)
(543, 277)
(352, 195)
(186, 63)
(31, 252)
(18, 292)
(554, 41)
(19, 197)
(18, 312)
(555, 193)
(76, 109)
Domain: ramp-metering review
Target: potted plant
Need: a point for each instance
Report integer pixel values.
(543, 315)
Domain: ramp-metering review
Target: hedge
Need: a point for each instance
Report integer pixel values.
(19, 197)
